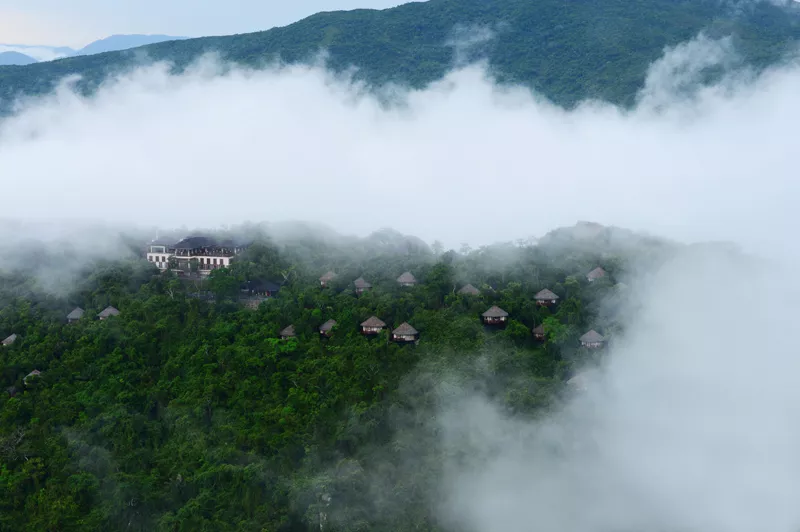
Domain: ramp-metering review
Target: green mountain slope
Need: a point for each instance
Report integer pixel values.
(185, 413)
(567, 51)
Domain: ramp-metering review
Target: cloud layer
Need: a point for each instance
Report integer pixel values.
(462, 161)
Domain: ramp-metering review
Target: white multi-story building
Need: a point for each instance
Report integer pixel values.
(196, 253)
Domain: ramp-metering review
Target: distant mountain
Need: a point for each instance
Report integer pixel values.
(15, 58)
(567, 51)
(40, 53)
(123, 42)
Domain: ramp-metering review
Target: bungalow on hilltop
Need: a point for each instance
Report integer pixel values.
(405, 333)
(538, 332)
(260, 288)
(326, 279)
(361, 285)
(108, 312)
(373, 325)
(10, 340)
(253, 293)
(34, 373)
(407, 279)
(469, 290)
(545, 298)
(495, 316)
(327, 328)
(288, 332)
(75, 315)
(592, 340)
(595, 274)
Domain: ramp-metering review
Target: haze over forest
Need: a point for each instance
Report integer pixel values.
(188, 412)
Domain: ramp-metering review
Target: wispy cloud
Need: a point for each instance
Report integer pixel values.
(473, 162)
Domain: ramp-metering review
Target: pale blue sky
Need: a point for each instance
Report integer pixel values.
(75, 23)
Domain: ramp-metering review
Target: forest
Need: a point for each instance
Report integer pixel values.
(192, 413)
(566, 52)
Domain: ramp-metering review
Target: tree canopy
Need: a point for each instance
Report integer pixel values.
(191, 413)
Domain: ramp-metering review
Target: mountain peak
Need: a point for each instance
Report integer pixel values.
(115, 43)
(15, 58)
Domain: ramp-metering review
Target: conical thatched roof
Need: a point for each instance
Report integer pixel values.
(108, 311)
(592, 337)
(76, 314)
(329, 276)
(545, 295)
(405, 330)
(495, 312)
(288, 331)
(373, 322)
(406, 278)
(327, 326)
(596, 273)
(469, 290)
(361, 283)
(539, 329)
(10, 340)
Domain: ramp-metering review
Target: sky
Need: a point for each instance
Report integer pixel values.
(79, 22)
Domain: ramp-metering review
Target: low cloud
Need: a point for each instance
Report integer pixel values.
(471, 161)
(691, 424)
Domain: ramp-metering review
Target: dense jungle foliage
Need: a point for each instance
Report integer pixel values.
(566, 51)
(189, 413)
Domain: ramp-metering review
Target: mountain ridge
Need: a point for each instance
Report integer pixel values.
(119, 42)
(15, 58)
(590, 51)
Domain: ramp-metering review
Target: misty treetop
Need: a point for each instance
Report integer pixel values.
(589, 50)
(175, 412)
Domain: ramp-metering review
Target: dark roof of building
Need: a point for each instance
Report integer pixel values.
(495, 312)
(592, 337)
(288, 331)
(373, 321)
(195, 242)
(596, 273)
(405, 330)
(407, 277)
(76, 314)
(108, 311)
(329, 276)
(327, 326)
(545, 295)
(10, 340)
(361, 283)
(256, 285)
(539, 329)
(469, 290)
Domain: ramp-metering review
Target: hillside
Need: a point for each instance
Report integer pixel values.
(15, 58)
(187, 411)
(122, 42)
(569, 52)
